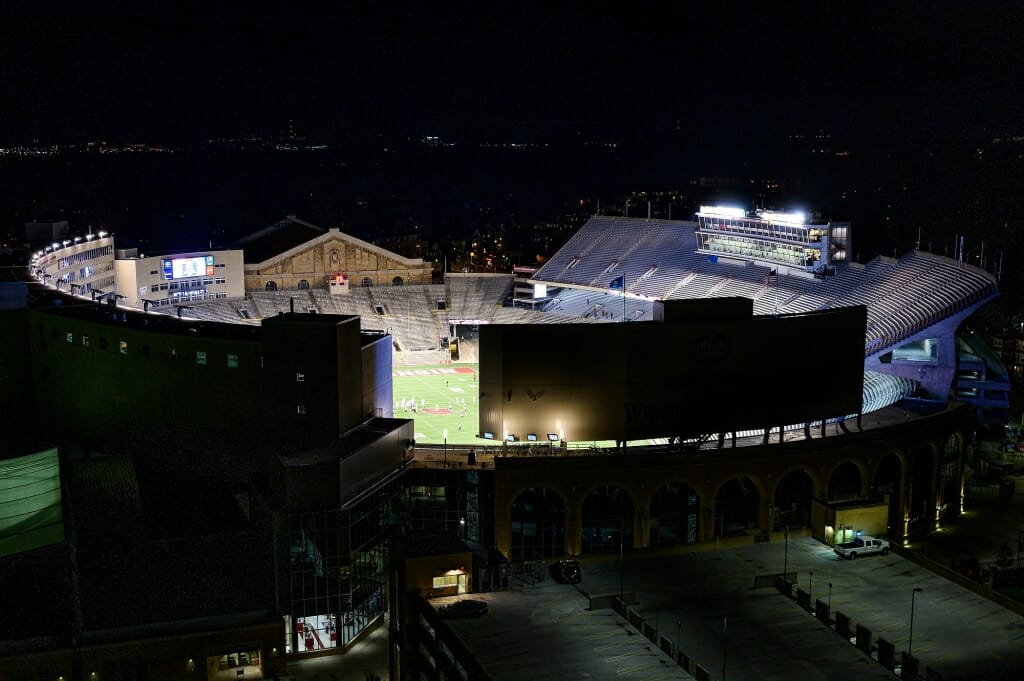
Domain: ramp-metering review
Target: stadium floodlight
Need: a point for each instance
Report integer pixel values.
(723, 211)
(56, 245)
(786, 218)
(77, 239)
(101, 234)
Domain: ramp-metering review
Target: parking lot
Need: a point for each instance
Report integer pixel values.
(547, 632)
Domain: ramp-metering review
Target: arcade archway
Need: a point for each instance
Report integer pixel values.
(538, 525)
(888, 481)
(607, 520)
(736, 507)
(675, 515)
(792, 502)
(845, 482)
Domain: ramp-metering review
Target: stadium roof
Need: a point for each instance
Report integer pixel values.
(277, 238)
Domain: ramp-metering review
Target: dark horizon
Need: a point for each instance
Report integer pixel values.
(720, 73)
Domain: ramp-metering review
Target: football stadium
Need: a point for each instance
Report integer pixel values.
(655, 382)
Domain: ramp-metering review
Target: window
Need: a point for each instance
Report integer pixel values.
(299, 377)
(124, 347)
(271, 286)
(173, 355)
(220, 280)
(446, 581)
(200, 357)
(303, 285)
(300, 409)
(85, 341)
(397, 281)
(367, 282)
(232, 361)
(71, 337)
(103, 343)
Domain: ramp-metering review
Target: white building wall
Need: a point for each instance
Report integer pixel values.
(145, 279)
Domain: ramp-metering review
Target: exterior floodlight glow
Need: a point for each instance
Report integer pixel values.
(102, 234)
(66, 242)
(795, 218)
(90, 236)
(56, 245)
(77, 239)
(723, 211)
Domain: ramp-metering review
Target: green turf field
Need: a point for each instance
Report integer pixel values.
(446, 399)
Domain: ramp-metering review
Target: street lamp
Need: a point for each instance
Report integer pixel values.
(910, 643)
(1019, 532)
(785, 559)
(462, 528)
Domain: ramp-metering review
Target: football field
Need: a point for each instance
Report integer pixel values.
(441, 398)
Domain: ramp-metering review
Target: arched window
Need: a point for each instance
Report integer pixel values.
(303, 285)
(397, 281)
(367, 282)
(271, 285)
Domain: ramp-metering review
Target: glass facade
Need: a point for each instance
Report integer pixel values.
(338, 566)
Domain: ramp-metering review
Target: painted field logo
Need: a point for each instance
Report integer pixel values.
(433, 372)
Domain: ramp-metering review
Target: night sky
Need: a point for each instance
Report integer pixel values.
(729, 72)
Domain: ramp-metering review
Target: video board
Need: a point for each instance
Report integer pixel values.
(183, 268)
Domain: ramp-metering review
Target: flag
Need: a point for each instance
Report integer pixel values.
(618, 283)
(769, 278)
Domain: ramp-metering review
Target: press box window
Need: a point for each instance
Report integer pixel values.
(85, 341)
(300, 377)
(300, 409)
(446, 581)
(232, 361)
(200, 357)
(71, 338)
(124, 347)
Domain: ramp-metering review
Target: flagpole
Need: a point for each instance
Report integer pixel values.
(776, 292)
(623, 297)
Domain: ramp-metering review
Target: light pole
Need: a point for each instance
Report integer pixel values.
(725, 623)
(910, 643)
(1019, 532)
(785, 559)
(622, 529)
(830, 596)
(444, 434)
(462, 528)
(679, 625)
(810, 588)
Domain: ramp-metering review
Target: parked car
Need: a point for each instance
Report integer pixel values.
(566, 571)
(465, 608)
(862, 546)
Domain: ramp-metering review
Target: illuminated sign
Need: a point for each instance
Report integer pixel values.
(183, 268)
